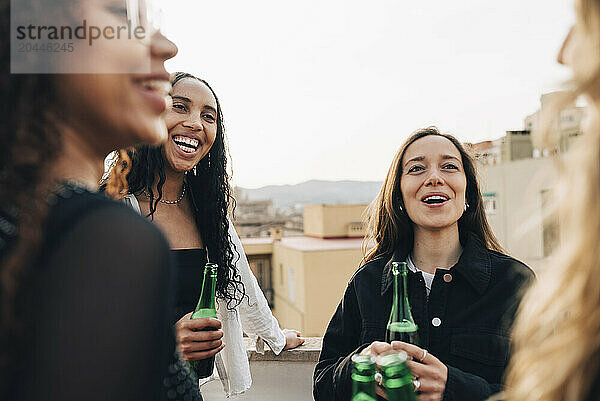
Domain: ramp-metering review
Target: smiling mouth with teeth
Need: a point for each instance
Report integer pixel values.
(435, 199)
(188, 145)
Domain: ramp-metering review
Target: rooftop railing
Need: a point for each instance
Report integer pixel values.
(287, 376)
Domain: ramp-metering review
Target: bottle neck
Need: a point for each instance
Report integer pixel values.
(403, 294)
(401, 319)
(397, 380)
(400, 304)
(363, 378)
(364, 385)
(206, 302)
(396, 376)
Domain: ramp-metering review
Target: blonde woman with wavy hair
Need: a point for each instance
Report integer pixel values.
(557, 332)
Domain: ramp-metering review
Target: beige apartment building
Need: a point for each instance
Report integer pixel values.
(517, 186)
(304, 277)
(567, 125)
(519, 144)
(516, 195)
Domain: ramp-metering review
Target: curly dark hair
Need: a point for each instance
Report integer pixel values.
(208, 185)
(29, 143)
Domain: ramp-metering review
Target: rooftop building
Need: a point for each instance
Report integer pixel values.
(254, 218)
(304, 277)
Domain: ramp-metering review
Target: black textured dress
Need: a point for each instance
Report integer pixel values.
(96, 305)
(96, 308)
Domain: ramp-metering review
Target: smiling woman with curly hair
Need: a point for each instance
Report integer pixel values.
(183, 186)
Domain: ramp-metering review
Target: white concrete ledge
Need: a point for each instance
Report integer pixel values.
(283, 377)
(307, 352)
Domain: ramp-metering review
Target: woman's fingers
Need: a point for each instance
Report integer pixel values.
(292, 339)
(185, 336)
(376, 348)
(416, 353)
(380, 392)
(412, 350)
(198, 338)
(196, 356)
(429, 397)
(429, 385)
(196, 346)
(433, 372)
(418, 369)
(198, 324)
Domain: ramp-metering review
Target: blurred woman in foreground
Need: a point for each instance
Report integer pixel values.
(84, 281)
(557, 333)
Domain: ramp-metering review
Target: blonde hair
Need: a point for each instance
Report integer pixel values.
(115, 184)
(557, 331)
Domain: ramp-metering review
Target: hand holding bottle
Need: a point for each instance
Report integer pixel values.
(395, 380)
(198, 339)
(430, 373)
(363, 378)
(206, 310)
(375, 349)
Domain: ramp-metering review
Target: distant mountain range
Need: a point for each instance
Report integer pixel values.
(315, 191)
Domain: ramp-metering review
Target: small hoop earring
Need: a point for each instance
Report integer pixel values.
(401, 208)
(466, 206)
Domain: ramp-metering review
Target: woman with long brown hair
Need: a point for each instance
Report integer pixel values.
(84, 281)
(463, 289)
(557, 331)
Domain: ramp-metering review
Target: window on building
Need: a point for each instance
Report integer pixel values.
(281, 274)
(551, 228)
(291, 285)
(261, 268)
(490, 202)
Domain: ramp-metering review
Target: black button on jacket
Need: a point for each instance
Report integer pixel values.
(470, 336)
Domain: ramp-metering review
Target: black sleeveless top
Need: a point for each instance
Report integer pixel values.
(189, 267)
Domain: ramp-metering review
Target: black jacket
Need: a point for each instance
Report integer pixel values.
(465, 322)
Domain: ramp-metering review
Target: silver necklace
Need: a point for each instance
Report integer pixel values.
(168, 202)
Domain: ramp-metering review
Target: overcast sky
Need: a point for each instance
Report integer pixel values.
(329, 89)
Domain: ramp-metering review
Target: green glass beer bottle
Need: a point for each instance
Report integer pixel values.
(396, 380)
(363, 378)
(206, 308)
(401, 326)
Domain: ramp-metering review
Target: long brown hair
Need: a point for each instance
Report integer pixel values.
(556, 352)
(29, 143)
(389, 227)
